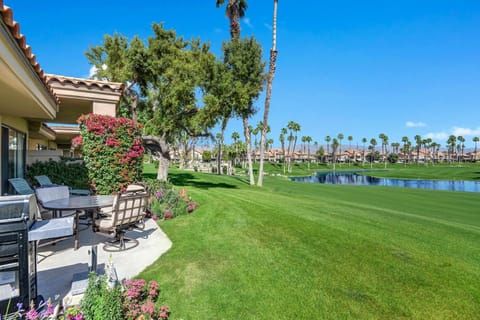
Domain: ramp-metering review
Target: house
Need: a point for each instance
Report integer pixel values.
(31, 101)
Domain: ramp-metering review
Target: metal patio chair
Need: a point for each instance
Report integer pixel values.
(127, 213)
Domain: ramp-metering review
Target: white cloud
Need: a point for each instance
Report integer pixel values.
(437, 135)
(247, 22)
(457, 131)
(411, 124)
(92, 72)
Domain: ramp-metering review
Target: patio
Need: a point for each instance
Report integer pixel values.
(58, 263)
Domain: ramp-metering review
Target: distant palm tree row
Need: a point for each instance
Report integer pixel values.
(417, 150)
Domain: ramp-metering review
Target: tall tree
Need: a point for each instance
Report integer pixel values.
(451, 142)
(235, 138)
(292, 137)
(220, 92)
(418, 146)
(406, 143)
(243, 58)
(308, 139)
(373, 144)
(364, 141)
(283, 132)
(235, 11)
(271, 74)
(335, 145)
(475, 140)
(350, 138)
(384, 139)
(296, 128)
(117, 60)
(168, 74)
(327, 140)
(340, 137)
(461, 141)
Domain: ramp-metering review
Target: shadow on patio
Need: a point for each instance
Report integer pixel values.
(58, 263)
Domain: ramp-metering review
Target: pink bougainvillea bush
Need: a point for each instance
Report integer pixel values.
(113, 151)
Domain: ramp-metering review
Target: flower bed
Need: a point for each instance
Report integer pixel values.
(166, 202)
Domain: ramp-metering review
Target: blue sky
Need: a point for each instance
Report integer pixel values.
(360, 68)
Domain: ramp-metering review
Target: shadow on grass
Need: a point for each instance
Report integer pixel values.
(188, 179)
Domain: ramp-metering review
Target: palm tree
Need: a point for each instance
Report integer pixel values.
(406, 147)
(340, 138)
(373, 143)
(235, 11)
(304, 141)
(381, 136)
(462, 145)
(384, 139)
(271, 74)
(294, 128)
(427, 143)
(335, 145)
(235, 137)
(418, 141)
(283, 132)
(451, 142)
(433, 145)
(475, 140)
(364, 141)
(350, 138)
(327, 140)
(308, 139)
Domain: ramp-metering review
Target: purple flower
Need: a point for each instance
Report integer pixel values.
(32, 314)
(50, 310)
(20, 307)
(159, 194)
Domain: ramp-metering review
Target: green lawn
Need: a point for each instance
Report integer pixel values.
(304, 251)
(462, 171)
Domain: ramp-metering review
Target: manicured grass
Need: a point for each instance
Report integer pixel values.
(467, 171)
(304, 251)
(462, 171)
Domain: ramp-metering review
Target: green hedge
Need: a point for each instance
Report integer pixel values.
(69, 173)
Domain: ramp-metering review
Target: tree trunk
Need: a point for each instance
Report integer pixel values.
(271, 74)
(220, 146)
(249, 147)
(159, 147)
(163, 165)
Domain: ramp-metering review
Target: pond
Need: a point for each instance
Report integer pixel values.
(353, 178)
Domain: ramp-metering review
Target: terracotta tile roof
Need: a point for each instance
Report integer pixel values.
(86, 82)
(6, 14)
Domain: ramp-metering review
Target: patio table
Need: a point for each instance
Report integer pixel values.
(78, 203)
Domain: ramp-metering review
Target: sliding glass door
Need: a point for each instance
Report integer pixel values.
(14, 153)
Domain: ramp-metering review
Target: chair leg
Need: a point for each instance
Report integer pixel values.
(76, 231)
(120, 243)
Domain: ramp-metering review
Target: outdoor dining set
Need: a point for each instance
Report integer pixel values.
(44, 215)
(61, 211)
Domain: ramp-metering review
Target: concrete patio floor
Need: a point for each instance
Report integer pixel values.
(56, 264)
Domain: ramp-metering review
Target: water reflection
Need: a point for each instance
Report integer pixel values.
(353, 178)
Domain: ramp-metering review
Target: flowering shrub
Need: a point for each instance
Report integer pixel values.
(113, 151)
(166, 203)
(133, 300)
(139, 300)
(47, 313)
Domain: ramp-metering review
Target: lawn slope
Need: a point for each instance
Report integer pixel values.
(293, 250)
